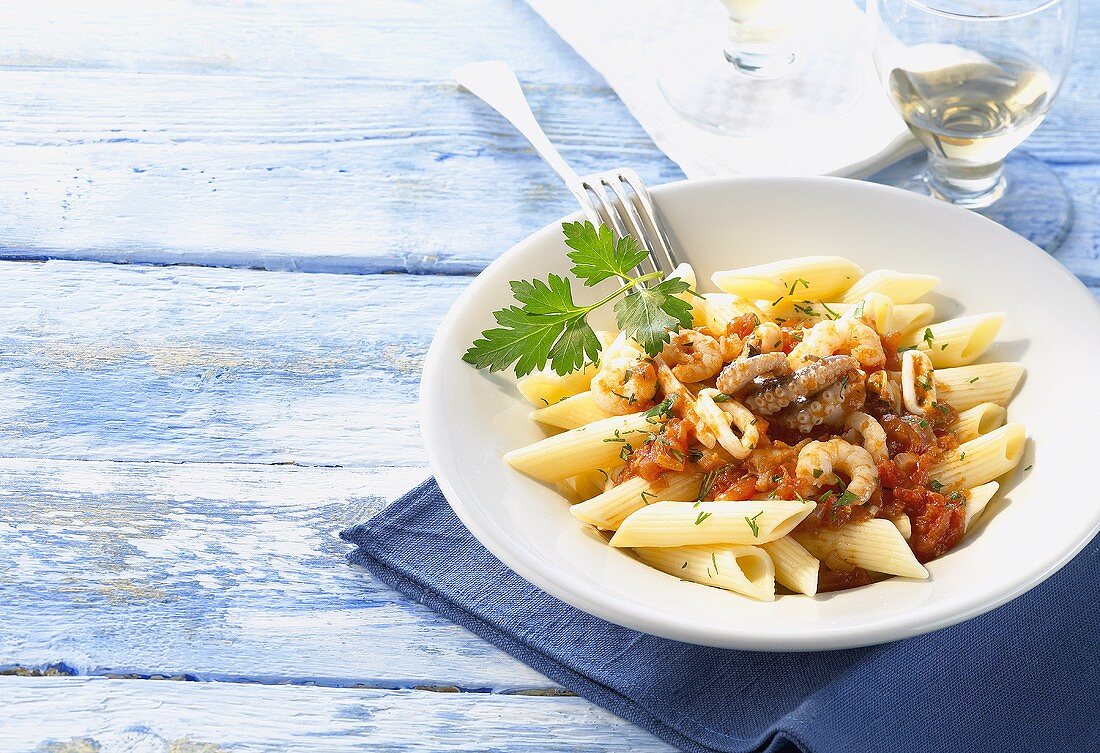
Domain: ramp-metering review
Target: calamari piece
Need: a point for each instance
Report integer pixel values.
(777, 393)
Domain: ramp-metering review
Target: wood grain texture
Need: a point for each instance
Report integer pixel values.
(217, 572)
(113, 362)
(117, 716)
(328, 136)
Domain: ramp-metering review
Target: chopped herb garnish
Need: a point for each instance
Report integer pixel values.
(923, 424)
(753, 526)
(702, 516)
(714, 561)
(928, 337)
(936, 485)
(647, 494)
(971, 381)
(683, 566)
(832, 314)
(1028, 468)
(625, 452)
(616, 438)
(817, 472)
(606, 477)
(662, 409)
(925, 382)
(941, 407)
(721, 397)
(544, 401)
(859, 309)
(962, 456)
(777, 300)
(904, 348)
(944, 346)
(845, 498)
(706, 485)
(824, 498)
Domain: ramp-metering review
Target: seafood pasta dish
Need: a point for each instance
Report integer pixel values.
(813, 427)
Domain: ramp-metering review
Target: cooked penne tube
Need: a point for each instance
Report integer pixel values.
(982, 459)
(811, 277)
(584, 449)
(875, 545)
(543, 388)
(747, 570)
(667, 523)
(795, 567)
(610, 508)
(884, 315)
(900, 287)
(981, 419)
(979, 498)
(956, 342)
(904, 526)
(719, 309)
(967, 386)
(685, 272)
(573, 411)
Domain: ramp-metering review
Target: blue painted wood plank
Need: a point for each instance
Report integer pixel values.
(69, 715)
(217, 572)
(178, 364)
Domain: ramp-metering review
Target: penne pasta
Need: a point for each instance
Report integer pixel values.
(956, 342)
(668, 523)
(810, 277)
(981, 419)
(979, 498)
(900, 287)
(686, 273)
(573, 411)
(968, 386)
(795, 568)
(544, 388)
(875, 545)
(904, 526)
(982, 459)
(611, 507)
(882, 313)
(584, 449)
(719, 309)
(746, 570)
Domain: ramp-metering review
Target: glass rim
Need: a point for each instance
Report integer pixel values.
(930, 6)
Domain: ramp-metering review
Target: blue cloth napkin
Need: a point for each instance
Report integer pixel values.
(1024, 678)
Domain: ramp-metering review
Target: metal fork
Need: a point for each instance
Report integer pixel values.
(616, 198)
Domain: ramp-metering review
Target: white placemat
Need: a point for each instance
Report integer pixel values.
(622, 40)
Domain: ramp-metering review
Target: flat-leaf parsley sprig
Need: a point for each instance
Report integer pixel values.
(548, 326)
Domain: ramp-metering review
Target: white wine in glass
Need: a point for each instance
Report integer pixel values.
(972, 85)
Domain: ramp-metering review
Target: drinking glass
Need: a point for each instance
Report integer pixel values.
(744, 67)
(972, 79)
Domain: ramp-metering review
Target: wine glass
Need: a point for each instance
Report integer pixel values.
(745, 67)
(972, 79)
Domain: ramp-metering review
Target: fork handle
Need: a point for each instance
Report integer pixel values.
(496, 85)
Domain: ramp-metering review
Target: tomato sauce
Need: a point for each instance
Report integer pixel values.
(839, 580)
(664, 451)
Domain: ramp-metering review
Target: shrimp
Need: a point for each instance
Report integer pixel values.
(693, 355)
(839, 336)
(740, 374)
(918, 382)
(766, 338)
(818, 460)
(625, 385)
(869, 432)
(882, 387)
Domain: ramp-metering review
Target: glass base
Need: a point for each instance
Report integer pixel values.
(825, 77)
(1033, 202)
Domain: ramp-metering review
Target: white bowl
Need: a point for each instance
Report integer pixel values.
(1039, 521)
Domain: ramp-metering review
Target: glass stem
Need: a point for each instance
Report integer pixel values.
(755, 50)
(971, 186)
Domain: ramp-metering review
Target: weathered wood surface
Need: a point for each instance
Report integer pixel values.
(217, 571)
(93, 715)
(329, 136)
(108, 362)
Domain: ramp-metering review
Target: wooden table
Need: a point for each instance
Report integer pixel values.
(181, 444)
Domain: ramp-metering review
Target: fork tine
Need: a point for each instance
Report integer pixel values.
(633, 221)
(610, 215)
(662, 248)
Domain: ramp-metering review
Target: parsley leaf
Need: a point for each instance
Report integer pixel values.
(597, 255)
(647, 314)
(550, 327)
